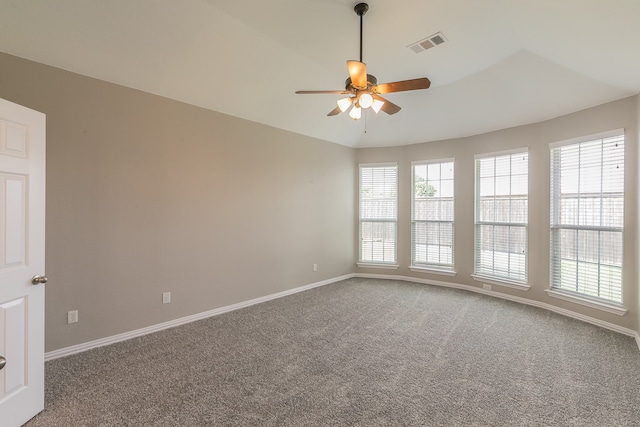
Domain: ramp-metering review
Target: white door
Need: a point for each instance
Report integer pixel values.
(22, 197)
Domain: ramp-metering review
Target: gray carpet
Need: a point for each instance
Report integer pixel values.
(358, 352)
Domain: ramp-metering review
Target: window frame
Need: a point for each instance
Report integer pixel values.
(438, 268)
(373, 263)
(555, 289)
(483, 276)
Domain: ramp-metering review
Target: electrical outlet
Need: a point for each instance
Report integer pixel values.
(72, 316)
(315, 267)
(166, 297)
(486, 287)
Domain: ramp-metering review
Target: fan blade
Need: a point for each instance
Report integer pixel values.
(358, 74)
(334, 112)
(307, 92)
(415, 84)
(388, 107)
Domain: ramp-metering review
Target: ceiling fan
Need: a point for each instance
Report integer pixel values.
(363, 89)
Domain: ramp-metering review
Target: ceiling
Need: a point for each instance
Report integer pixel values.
(505, 62)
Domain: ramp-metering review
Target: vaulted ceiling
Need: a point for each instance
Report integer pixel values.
(505, 62)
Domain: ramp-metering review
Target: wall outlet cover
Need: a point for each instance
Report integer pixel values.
(166, 297)
(72, 316)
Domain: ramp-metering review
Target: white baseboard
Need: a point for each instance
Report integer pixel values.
(68, 351)
(564, 312)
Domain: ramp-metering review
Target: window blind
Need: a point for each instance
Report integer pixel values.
(501, 216)
(432, 215)
(587, 216)
(378, 212)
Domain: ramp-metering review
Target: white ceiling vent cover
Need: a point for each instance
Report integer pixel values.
(431, 41)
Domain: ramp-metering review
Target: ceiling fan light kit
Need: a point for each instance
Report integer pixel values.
(363, 89)
(365, 100)
(344, 104)
(355, 113)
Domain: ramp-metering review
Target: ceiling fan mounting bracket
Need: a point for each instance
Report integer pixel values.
(361, 8)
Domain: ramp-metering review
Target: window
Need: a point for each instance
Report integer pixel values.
(432, 215)
(501, 213)
(378, 197)
(587, 202)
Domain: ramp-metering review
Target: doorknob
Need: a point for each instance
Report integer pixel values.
(38, 279)
(3, 362)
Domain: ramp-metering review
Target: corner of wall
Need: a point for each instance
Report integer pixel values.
(637, 279)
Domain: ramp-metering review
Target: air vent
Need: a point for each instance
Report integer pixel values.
(431, 41)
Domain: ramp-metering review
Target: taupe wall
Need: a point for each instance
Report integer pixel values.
(536, 138)
(146, 195)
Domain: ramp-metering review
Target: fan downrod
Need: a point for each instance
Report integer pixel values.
(361, 8)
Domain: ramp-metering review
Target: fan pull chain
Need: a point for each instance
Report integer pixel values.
(365, 121)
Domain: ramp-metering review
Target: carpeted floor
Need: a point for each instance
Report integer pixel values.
(359, 353)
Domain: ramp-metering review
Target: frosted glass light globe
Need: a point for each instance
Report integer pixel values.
(365, 100)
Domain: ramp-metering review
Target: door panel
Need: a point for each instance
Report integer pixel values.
(13, 139)
(14, 347)
(12, 219)
(22, 213)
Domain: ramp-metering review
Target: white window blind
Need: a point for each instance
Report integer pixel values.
(432, 215)
(378, 196)
(501, 216)
(587, 215)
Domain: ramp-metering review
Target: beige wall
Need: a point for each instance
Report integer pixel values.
(146, 195)
(535, 137)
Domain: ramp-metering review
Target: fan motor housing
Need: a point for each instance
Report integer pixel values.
(371, 81)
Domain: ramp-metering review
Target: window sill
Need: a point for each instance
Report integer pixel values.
(375, 265)
(432, 271)
(588, 302)
(501, 282)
